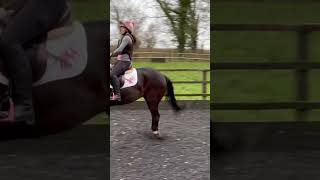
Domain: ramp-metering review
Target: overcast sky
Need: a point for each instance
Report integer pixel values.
(164, 40)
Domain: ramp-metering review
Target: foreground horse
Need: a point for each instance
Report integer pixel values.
(152, 86)
(77, 94)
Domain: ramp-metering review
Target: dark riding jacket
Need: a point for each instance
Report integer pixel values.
(124, 49)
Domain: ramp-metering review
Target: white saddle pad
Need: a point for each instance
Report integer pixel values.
(67, 56)
(130, 78)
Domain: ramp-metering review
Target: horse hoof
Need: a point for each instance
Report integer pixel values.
(156, 133)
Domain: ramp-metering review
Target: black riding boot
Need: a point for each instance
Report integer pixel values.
(20, 72)
(116, 86)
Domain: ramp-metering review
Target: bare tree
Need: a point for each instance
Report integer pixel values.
(177, 15)
(199, 20)
(165, 23)
(203, 7)
(193, 29)
(150, 36)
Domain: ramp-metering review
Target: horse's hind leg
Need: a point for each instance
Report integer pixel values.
(153, 104)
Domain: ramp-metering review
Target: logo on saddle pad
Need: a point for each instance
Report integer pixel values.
(64, 55)
(129, 79)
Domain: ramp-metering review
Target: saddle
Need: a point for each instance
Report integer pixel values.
(36, 49)
(128, 79)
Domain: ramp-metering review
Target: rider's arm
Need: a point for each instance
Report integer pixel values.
(15, 5)
(125, 41)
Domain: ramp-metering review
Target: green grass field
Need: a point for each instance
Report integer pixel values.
(90, 10)
(182, 76)
(258, 86)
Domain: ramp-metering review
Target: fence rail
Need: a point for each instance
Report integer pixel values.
(302, 66)
(266, 105)
(265, 66)
(169, 58)
(170, 55)
(266, 27)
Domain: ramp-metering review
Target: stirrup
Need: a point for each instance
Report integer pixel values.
(113, 98)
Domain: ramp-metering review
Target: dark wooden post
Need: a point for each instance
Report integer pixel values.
(302, 73)
(204, 84)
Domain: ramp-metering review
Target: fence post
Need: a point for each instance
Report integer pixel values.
(302, 73)
(204, 84)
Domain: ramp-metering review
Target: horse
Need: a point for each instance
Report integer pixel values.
(67, 90)
(152, 86)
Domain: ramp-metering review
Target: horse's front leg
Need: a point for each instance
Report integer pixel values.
(155, 122)
(153, 107)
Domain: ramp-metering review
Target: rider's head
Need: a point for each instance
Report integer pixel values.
(126, 27)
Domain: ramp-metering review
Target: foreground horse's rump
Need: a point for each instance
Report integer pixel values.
(67, 102)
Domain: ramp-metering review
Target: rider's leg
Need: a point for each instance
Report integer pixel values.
(116, 88)
(33, 20)
(118, 70)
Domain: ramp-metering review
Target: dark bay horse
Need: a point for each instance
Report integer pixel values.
(65, 103)
(152, 86)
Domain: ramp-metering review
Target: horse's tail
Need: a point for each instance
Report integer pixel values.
(170, 95)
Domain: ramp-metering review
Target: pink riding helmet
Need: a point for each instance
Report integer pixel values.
(129, 25)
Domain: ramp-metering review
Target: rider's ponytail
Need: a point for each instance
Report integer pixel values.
(136, 42)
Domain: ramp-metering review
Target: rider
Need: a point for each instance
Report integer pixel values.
(124, 53)
(31, 20)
